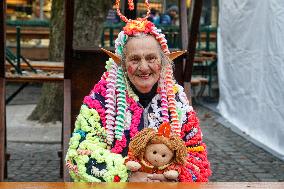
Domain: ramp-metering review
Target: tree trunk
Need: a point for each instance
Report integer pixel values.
(89, 17)
(50, 105)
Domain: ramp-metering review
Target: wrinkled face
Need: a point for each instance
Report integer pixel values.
(143, 62)
(158, 154)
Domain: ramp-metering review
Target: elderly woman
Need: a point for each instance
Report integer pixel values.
(137, 91)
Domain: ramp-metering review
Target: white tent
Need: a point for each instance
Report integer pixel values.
(251, 69)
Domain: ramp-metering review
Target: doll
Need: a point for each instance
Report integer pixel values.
(157, 152)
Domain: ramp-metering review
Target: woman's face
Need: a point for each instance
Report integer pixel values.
(143, 62)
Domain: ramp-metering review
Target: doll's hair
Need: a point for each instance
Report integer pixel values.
(147, 136)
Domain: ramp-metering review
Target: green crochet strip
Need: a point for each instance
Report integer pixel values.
(120, 47)
(108, 64)
(89, 121)
(180, 113)
(121, 99)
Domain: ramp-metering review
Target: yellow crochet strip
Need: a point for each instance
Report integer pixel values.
(175, 88)
(195, 149)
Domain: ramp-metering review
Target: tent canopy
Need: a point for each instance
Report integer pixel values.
(251, 68)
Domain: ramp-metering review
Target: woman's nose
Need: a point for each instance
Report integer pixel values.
(143, 65)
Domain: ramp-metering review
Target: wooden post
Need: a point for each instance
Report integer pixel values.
(68, 54)
(183, 24)
(192, 39)
(2, 91)
(183, 17)
(194, 28)
(66, 131)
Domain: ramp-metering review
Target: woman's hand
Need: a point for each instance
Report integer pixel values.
(160, 178)
(138, 177)
(146, 177)
(157, 178)
(133, 166)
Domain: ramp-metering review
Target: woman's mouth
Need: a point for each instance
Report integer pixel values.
(144, 76)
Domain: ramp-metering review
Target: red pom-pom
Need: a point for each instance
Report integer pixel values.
(116, 178)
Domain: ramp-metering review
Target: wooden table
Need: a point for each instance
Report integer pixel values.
(210, 185)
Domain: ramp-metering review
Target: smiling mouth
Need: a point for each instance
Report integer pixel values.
(144, 76)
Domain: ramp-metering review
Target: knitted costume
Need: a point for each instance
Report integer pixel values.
(111, 115)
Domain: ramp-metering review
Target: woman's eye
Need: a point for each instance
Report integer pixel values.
(134, 59)
(151, 59)
(154, 152)
(134, 62)
(164, 155)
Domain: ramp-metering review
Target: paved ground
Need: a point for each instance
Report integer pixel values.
(33, 162)
(232, 157)
(19, 129)
(32, 146)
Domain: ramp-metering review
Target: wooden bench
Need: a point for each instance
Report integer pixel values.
(41, 65)
(205, 61)
(28, 32)
(46, 72)
(196, 82)
(32, 77)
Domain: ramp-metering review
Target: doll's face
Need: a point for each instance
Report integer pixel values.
(158, 154)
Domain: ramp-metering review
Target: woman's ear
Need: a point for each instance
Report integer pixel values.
(115, 57)
(174, 55)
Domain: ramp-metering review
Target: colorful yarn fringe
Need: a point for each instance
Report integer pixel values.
(161, 39)
(111, 103)
(176, 127)
(164, 103)
(121, 104)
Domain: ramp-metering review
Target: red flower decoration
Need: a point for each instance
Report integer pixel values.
(116, 178)
(165, 129)
(139, 25)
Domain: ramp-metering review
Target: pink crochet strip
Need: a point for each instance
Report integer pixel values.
(95, 104)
